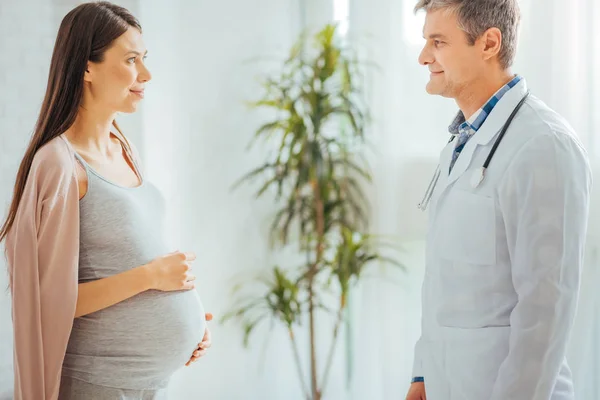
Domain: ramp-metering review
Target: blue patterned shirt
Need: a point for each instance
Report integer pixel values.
(464, 130)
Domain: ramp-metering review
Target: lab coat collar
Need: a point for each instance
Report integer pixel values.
(500, 114)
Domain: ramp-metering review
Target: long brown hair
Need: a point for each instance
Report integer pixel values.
(85, 34)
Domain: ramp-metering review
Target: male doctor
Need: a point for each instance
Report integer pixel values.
(507, 220)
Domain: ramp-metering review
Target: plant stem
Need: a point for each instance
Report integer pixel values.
(298, 363)
(313, 353)
(336, 330)
(320, 225)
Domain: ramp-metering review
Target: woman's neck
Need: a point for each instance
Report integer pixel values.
(91, 131)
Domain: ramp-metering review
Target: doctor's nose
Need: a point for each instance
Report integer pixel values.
(425, 57)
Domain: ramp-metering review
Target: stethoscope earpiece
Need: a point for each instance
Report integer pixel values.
(477, 177)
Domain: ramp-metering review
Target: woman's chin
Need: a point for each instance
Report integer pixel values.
(130, 108)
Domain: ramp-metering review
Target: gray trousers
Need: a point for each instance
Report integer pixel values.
(75, 389)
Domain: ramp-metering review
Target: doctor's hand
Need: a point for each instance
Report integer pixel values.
(203, 345)
(416, 391)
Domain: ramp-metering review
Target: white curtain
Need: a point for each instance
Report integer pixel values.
(560, 58)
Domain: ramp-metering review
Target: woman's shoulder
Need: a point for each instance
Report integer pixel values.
(55, 157)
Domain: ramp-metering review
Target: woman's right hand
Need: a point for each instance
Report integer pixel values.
(171, 272)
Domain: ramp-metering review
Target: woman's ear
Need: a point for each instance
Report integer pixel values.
(87, 77)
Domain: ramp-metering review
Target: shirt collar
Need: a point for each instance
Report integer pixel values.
(460, 124)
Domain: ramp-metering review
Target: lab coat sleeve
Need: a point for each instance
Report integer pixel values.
(418, 360)
(544, 200)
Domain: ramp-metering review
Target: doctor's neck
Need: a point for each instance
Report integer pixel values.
(477, 92)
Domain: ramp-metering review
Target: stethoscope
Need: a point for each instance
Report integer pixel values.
(479, 174)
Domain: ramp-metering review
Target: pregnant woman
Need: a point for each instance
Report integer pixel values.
(102, 309)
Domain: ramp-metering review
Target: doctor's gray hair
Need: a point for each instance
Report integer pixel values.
(477, 16)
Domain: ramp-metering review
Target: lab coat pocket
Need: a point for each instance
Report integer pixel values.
(467, 230)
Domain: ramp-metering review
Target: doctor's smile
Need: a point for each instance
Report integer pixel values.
(511, 168)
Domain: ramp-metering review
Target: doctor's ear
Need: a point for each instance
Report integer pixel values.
(491, 42)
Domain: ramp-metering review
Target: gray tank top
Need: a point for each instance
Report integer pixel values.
(140, 342)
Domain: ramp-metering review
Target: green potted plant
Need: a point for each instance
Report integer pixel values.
(317, 176)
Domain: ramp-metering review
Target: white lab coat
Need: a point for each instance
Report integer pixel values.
(503, 260)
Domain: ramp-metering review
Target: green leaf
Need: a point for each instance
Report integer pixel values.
(255, 172)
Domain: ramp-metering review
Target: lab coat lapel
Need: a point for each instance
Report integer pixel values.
(463, 161)
(445, 158)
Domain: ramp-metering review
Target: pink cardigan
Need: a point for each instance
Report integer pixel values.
(42, 250)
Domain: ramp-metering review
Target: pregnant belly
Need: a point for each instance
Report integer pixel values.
(145, 338)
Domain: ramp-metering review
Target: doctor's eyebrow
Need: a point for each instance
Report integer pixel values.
(435, 36)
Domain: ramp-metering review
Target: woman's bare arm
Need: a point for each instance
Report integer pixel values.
(171, 272)
(102, 293)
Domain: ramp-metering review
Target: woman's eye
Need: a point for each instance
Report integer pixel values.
(131, 60)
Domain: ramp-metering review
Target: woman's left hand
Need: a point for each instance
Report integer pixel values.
(203, 345)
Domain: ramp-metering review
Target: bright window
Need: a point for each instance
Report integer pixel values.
(341, 15)
(413, 24)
